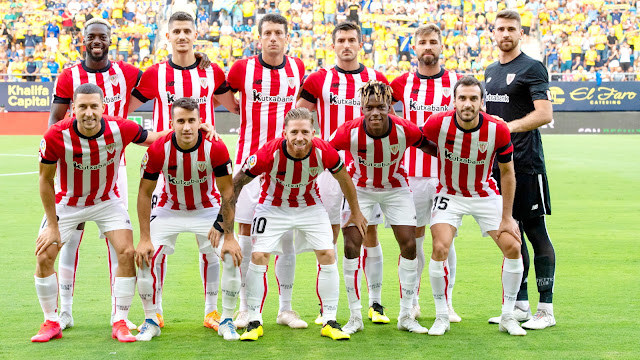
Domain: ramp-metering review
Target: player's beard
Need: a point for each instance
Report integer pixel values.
(425, 61)
(93, 58)
(469, 114)
(506, 46)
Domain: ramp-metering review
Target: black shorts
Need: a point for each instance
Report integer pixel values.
(532, 195)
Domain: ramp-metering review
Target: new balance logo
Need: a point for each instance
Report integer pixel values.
(534, 207)
(415, 91)
(172, 167)
(77, 155)
(171, 83)
(258, 82)
(335, 85)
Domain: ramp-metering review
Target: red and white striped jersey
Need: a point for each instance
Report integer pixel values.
(376, 162)
(166, 82)
(189, 174)
(116, 80)
(267, 93)
(335, 93)
(87, 168)
(466, 156)
(422, 96)
(288, 181)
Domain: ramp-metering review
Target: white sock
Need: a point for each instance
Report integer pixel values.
(210, 275)
(113, 269)
(146, 291)
(350, 270)
(408, 281)
(230, 286)
(451, 267)
(438, 278)
(47, 290)
(372, 263)
(285, 269)
(421, 261)
(522, 304)
(546, 306)
(256, 290)
(328, 287)
(123, 289)
(161, 272)
(245, 247)
(512, 270)
(67, 263)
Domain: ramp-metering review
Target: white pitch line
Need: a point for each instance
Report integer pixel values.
(24, 173)
(18, 155)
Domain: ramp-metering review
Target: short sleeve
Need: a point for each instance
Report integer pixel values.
(413, 134)
(397, 85)
(236, 76)
(220, 160)
(152, 161)
(504, 147)
(47, 152)
(340, 138)
(330, 157)
(132, 132)
(538, 81)
(312, 88)
(221, 86)
(63, 92)
(257, 163)
(147, 88)
(380, 77)
(431, 128)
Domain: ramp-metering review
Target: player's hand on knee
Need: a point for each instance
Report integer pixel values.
(144, 252)
(231, 246)
(49, 236)
(357, 219)
(510, 226)
(211, 132)
(214, 236)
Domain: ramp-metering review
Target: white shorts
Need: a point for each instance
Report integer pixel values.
(167, 224)
(121, 182)
(449, 209)
(248, 199)
(332, 198)
(271, 222)
(423, 189)
(108, 215)
(396, 205)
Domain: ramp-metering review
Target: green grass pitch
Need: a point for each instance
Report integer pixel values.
(595, 182)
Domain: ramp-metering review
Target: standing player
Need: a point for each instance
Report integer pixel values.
(423, 93)
(189, 201)
(117, 80)
(165, 82)
(289, 201)
(518, 91)
(467, 142)
(375, 144)
(334, 93)
(84, 153)
(268, 84)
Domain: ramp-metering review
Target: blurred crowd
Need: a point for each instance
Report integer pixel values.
(581, 40)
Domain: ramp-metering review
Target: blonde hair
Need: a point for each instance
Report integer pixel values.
(97, 20)
(379, 90)
(298, 114)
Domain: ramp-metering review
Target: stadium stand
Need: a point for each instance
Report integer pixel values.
(590, 40)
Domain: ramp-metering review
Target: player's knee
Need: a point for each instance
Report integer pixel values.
(351, 249)
(244, 229)
(126, 254)
(325, 257)
(512, 249)
(408, 248)
(440, 250)
(260, 258)
(45, 260)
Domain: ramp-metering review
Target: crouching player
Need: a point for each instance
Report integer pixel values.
(468, 140)
(290, 200)
(189, 202)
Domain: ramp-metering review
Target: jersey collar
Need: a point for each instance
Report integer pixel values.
(364, 125)
(178, 67)
(436, 76)
(286, 153)
(471, 130)
(100, 133)
(174, 141)
(87, 69)
(284, 62)
(357, 71)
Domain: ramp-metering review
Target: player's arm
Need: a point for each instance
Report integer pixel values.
(153, 136)
(427, 146)
(239, 181)
(542, 115)
(349, 191)
(57, 112)
(230, 244)
(50, 235)
(304, 103)
(229, 101)
(144, 250)
(134, 104)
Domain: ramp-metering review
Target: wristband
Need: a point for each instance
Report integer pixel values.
(216, 224)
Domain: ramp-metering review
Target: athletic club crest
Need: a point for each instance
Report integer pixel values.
(394, 149)
(204, 83)
(446, 92)
(111, 148)
(291, 81)
(314, 171)
(482, 146)
(113, 79)
(202, 166)
(510, 78)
